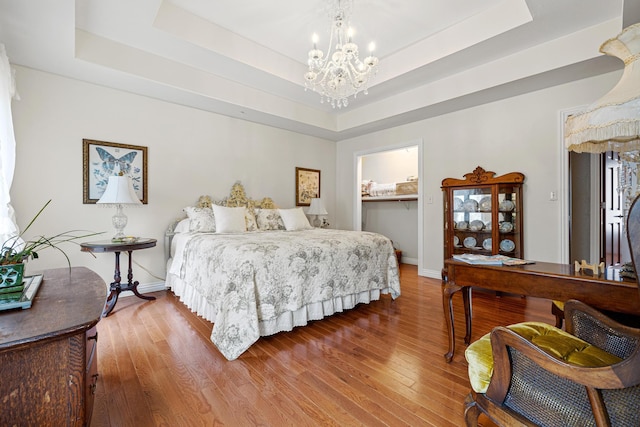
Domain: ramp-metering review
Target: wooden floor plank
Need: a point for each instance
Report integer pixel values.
(380, 364)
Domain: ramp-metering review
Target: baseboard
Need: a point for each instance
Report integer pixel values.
(433, 274)
(412, 261)
(146, 288)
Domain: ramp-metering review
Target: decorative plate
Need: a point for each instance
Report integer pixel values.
(470, 205)
(462, 225)
(476, 225)
(485, 204)
(486, 244)
(457, 204)
(469, 242)
(456, 241)
(507, 245)
(507, 205)
(506, 227)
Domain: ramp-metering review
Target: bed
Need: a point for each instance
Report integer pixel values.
(281, 274)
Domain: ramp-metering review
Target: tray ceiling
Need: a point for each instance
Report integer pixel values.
(246, 59)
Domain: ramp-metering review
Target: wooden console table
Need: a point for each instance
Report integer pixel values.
(48, 353)
(544, 280)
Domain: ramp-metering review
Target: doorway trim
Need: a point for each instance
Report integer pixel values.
(357, 179)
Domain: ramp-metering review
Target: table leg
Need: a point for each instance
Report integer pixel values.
(117, 287)
(466, 301)
(133, 286)
(448, 289)
(112, 299)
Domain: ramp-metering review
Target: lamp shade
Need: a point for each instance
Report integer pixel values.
(119, 191)
(317, 207)
(613, 122)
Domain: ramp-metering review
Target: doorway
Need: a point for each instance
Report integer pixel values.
(596, 220)
(400, 232)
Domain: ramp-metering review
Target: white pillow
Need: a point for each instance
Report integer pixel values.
(200, 219)
(183, 225)
(229, 220)
(294, 219)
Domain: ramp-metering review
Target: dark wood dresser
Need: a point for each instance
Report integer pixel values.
(48, 353)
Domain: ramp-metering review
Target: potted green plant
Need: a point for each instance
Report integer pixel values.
(15, 251)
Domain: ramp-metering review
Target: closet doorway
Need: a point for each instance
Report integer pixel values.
(395, 214)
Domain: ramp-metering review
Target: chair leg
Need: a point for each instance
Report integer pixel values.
(598, 407)
(559, 313)
(471, 411)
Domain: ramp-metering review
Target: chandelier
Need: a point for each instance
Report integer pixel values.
(340, 74)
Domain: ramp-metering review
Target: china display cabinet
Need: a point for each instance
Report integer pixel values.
(483, 214)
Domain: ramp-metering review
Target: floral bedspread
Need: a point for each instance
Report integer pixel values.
(254, 277)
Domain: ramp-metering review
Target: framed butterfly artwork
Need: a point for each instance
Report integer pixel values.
(103, 159)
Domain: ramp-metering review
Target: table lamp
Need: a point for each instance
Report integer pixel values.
(317, 208)
(119, 192)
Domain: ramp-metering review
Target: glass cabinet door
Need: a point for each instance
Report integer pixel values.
(509, 224)
(472, 220)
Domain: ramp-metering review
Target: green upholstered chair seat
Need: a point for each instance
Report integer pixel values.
(550, 339)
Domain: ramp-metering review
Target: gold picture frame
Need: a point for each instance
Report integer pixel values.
(307, 185)
(101, 159)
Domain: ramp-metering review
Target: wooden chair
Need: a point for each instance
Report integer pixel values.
(534, 374)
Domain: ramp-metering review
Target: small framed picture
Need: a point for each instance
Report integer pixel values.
(103, 159)
(307, 186)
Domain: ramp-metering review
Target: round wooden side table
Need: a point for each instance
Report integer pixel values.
(116, 286)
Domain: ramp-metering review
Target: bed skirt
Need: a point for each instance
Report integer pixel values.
(284, 322)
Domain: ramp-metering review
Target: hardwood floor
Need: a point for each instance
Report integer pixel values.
(378, 364)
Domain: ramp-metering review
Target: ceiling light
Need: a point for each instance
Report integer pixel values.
(340, 74)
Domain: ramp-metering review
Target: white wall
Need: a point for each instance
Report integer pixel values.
(396, 220)
(390, 166)
(190, 153)
(516, 134)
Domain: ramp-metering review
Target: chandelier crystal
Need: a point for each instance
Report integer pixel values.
(628, 185)
(340, 74)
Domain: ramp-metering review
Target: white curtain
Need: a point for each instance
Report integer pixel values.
(8, 226)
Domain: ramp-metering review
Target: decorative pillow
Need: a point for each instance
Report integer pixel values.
(269, 219)
(250, 220)
(229, 220)
(201, 219)
(294, 219)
